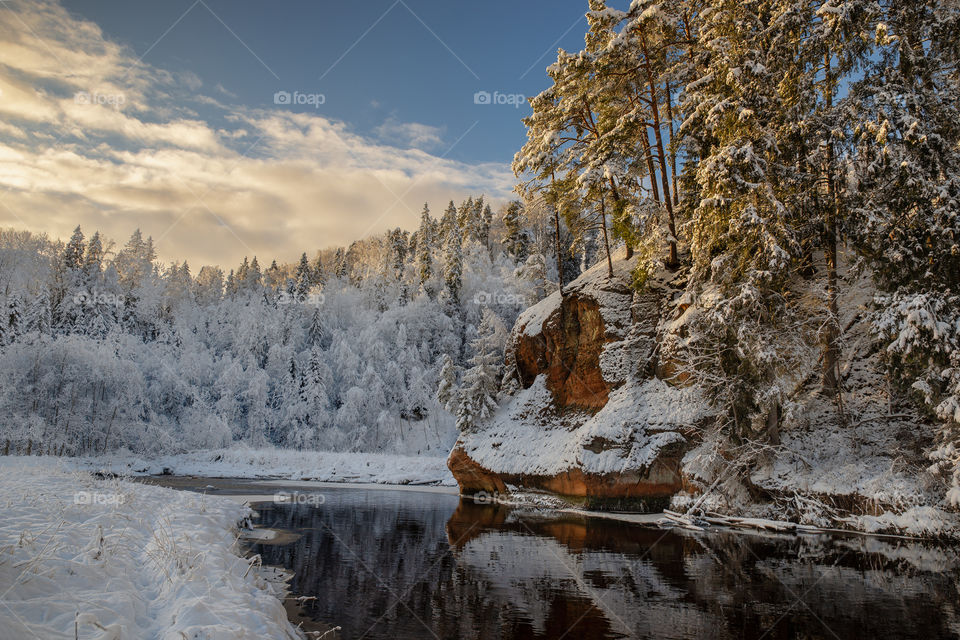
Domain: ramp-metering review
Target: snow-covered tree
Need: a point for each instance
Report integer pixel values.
(453, 262)
(517, 241)
(906, 117)
(447, 387)
(425, 247)
(476, 398)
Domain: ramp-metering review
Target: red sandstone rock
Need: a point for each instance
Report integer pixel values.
(597, 322)
(568, 350)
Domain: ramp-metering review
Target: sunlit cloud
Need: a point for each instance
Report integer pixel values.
(90, 135)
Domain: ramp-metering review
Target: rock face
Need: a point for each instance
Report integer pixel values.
(567, 350)
(590, 423)
(645, 490)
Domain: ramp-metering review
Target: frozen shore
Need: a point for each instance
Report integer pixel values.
(280, 464)
(109, 559)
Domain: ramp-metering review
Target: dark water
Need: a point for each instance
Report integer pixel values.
(396, 565)
(388, 564)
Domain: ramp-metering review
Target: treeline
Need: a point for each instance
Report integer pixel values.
(756, 143)
(103, 347)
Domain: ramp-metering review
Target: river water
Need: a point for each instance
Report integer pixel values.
(394, 565)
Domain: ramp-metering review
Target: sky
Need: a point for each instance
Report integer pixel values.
(232, 128)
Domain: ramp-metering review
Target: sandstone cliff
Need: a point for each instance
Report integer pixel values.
(591, 421)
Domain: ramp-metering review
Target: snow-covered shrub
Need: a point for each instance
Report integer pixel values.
(921, 332)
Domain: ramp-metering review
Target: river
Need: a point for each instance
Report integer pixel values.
(388, 564)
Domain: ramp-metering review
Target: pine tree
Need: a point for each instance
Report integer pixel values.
(134, 263)
(340, 264)
(486, 223)
(742, 241)
(449, 224)
(11, 324)
(304, 278)
(453, 262)
(462, 214)
(353, 260)
(447, 387)
(398, 243)
(72, 259)
(472, 227)
(254, 277)
(906, 209)
(318, 273)
(477, 395)
(516, 242)
(272, 277)
(425, 246)
(93, 258)
(316, 334)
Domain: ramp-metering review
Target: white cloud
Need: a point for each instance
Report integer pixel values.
(271, 182)
(411, 134)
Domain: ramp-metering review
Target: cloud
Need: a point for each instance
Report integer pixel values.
(90, 135)
(410, 134)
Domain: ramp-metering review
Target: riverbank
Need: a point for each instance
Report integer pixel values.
(109, 558)
(280, 464)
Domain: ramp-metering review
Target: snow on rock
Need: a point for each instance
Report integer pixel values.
(115, 559)
(637, 422)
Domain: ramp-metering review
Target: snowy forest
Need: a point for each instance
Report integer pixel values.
(768, 152)
(103, 347)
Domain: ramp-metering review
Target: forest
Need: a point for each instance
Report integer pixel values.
(103, 347)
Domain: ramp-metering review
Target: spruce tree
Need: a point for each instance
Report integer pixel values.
(516, 241)
(304, 278)
(425, 246)
(477, 395)
(453, 262)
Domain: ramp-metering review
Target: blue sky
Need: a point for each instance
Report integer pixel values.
(419, 62)
(163, 116)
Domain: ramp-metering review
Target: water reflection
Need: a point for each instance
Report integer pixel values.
(386, 564)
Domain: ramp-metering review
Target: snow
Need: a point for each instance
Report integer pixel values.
(533, 318)
(612, 295)
(244, 462)
(922, 521)
(118, 559)
(638, 421)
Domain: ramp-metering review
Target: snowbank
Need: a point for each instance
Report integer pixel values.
(635, 425)
(111, 559)
(243, 462)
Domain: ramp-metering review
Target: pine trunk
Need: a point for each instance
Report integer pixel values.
(661, 156)
(831, 356)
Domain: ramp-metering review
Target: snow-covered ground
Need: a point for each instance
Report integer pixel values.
(111, 559)
(244, 462)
